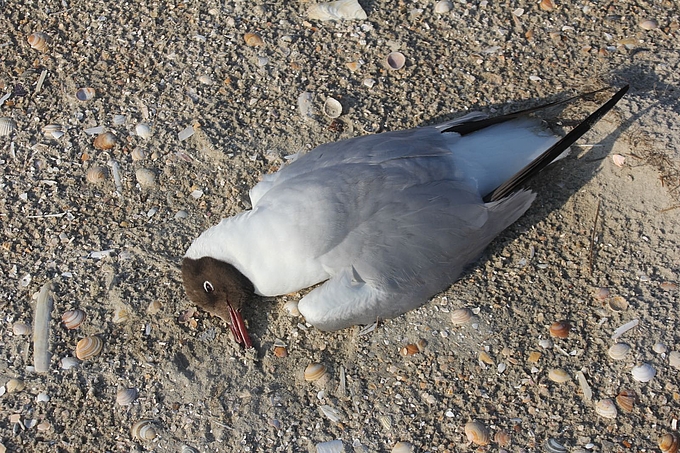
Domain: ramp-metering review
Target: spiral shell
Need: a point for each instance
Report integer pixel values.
(253, 40)
(126, 396)
(669, 442)
(316, 372)
(145, 177)
(618, 351)
(461, 316)
(560, 329)
(72, 319)
(403, 447)
(558, 375)
(144, 430)
(626, 400)
(21, 328)
(39, 41)
(85, 94)
(606, 408)
(89, 347)
(477, 433)
(95, 175)
(105, 141)
(643, 373)
(15, 385)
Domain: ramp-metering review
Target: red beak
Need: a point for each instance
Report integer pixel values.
(238, 328)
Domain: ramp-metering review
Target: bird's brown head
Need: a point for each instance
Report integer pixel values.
(220, 289)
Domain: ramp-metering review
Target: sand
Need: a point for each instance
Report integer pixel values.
(114, 252)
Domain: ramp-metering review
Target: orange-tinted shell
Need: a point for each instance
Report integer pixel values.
(669, 442)
(89, 347)
(105, 141)
(626, 400)
(39, 41)
(560, 329)
(503, 438)
(73, 318)
(547, 5)
(253, 40)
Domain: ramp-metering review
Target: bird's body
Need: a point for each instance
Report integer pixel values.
(386, 220)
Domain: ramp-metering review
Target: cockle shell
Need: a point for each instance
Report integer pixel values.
(332, 108)
(403, 447)
(144, 430)
(669, 442)
(618, 351)
(643, 373)
(39, 41)
(15, 385)
(89, 347)
(7, 126)
(338, 10)
(606, 408)
(660, 348)
(560, 329)
(21, 328)
(143, 130)
(553, 446)
(626, 400)
(316, 372)
(126, 396)
(95, 175)
(138, 154)
(461, 316)
(558, 375)
(395, 60)
(105, 141)
(443, 6)
(477, 433)
(547, 5)
(253, 40)
(85, 93)
(145, 177)
(73, 318)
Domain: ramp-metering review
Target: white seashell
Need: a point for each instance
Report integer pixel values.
(461, 316)
(143, 130)
(21, 328)
(649, 24)
(145, 177)
(332, 413)
(674, 359)
(660, 348)
(606, 408)
(553, 446)
(85, 94)
(89, 347)
(144, 430)
(126, 396)
(69, 362)
(558, 375)
(618, 160)
(291, 308)
(618, 351)
(338, 10)
(625, 328)
(477, 433)
(332, 108)
(403, 447)
(368, 83)
(97, 174)
(41, 329)
(643, 373)
(443, 7)
(185, 133)
(395, 60)
(72, 319)
(119, 119)
(205, 79)
(138, 154)
(305, 105)
(53, 131)
(332, 446)
(7, 126)
(42, 397)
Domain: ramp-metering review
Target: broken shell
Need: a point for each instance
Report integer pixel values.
(316, 372)
(338, 10)
(138, 154)
(291, 308)
(68, 363)
(606, 408)
(253, 40)
(660, 348)
(674, 359)
(281, 352)
(39, 41)
(618, 303)
(7, 126)
(461, 315)
(443, 6)
(403, 447)
(73, 318)
(145, 177)
(546, 5)
(643, 373)
(558, 375)
(89, 347)
(534, 357)
(144, 430)
(618, 351)
(601, 293)
(53, 131)
(409, 349)
(395, 60)
(143, 130)
(669, 442)
(154, 307)
(560, 329)
(626, 400)
(649, 24)
(477, 433)
(331, 446)
(15, 385)
(503, 438)
(21, 328)
(618, 160)
(105, 141)
(85, 94)
(332, 108)
(126, 396)
(96, 175)
(553, 446)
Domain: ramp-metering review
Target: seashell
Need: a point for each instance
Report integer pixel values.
(105, 141)
(144, 430)
(42, 315)
(332, 446)
(39, 41)
(668, 286)
(154, 307)
(443, 6)
(7, 126)
(553, 446)
(643, 373)
(126, 396)
(143, 130)
(606, 408)
(461, 316)
(626, 400)
(560, 329)
(484, 357)
(138, 154)
(291, 308)
(674, 359)
(69, 362)
(649, 24)
(15, 385)
(669, 442)
(618, 160)
(502, 438)
(53, 131)
(660, 348)
(73, 318)
(558, 375)
(89, 347)
(96, 175)
(618, 351)
(119, 119)
(601, 293)
(280, 352)
(409, 349)
(534, 357)
(332, 108)
(395, 60)
(403, 447)
(477, 433)
(338, 10)
(21, 328)
(120, 314)
(332, 413)
(618, 303)
(85, 94)
(353, 65)
(42, 397)
(188, 449)
(205, 79)
(253, 40)
(547, 5)
(316, 372)
(145, 177)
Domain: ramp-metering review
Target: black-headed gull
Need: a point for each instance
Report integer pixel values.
(386, 220)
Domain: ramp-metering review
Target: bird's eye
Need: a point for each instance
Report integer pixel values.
(208, 287)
